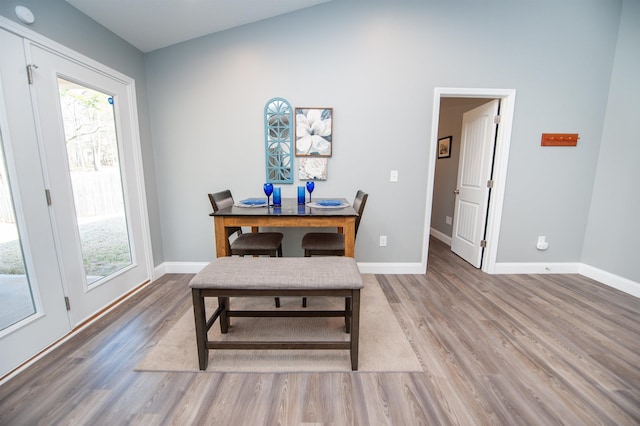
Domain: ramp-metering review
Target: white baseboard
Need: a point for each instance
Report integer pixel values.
(182, 267)
(604, 277)
(537, 268)
(442, 237)
(159, 271)
(612, 280)
(391, 268)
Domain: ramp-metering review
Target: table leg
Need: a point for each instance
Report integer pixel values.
(222, 242)
(350, 238)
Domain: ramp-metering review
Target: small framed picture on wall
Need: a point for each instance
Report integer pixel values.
(444, 147)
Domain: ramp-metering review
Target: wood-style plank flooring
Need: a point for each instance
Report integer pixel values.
(496, 349)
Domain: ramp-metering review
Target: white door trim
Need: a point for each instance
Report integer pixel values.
(503, 141)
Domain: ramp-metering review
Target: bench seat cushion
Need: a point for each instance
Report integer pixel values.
(284, 273)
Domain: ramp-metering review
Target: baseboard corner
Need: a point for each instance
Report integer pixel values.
(612, 280)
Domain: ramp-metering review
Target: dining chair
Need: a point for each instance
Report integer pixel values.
(247, 244)
(331, 243)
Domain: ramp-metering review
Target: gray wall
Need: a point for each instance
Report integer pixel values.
(58, 21)
(613, 230)
(377, 66)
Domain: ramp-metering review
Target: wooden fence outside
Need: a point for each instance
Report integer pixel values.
(96, 193)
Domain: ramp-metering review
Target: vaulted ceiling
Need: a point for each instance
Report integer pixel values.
(153, 24)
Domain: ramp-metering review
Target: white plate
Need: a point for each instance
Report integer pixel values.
(252, 202)
(315, 205)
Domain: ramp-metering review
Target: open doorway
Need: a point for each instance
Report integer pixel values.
(446, 99)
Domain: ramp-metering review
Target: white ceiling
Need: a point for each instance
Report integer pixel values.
(153, 24)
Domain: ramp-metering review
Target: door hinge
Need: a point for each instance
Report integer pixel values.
(30, 69)
(483, 243)
(496, 119)
(47, 194)
(490, 183)
(67, 303)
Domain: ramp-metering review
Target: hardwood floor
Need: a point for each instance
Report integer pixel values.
(496, 349)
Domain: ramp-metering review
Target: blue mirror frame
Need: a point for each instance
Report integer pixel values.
(278, 134)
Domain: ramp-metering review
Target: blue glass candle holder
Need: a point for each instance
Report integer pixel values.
(301, 195)
(277, 200)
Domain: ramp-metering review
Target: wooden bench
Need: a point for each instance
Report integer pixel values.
(279, 276)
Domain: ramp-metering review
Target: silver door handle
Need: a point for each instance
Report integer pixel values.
(457, 191)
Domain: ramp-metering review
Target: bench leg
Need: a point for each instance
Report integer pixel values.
(355, 328)
(223, 302)
(201, 328)
(347, 315)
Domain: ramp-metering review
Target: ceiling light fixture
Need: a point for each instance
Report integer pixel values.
(25, 15)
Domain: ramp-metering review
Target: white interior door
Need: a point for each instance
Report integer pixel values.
(90, 145)
(32, 308)
(472, 190)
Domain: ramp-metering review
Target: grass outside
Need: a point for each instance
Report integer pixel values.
(105, 248)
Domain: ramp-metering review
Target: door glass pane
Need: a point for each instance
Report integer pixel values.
(16, 297)
(94, 166)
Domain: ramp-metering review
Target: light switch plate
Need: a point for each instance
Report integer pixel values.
(393, 177)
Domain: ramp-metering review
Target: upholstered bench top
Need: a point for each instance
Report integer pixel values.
(290, 273)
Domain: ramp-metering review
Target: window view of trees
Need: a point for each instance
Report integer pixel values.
(92, 152)
(88, 123)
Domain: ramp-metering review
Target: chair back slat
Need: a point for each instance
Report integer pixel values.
(358, 205)
(222, 200)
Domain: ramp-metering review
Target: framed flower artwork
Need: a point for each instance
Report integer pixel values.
(312, 168)
(314, 132)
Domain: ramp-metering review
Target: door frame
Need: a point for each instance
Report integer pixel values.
(507, 99)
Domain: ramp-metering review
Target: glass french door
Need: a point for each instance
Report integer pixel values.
(32, 308)
(88, 141)
(16, 294)
(73, 222)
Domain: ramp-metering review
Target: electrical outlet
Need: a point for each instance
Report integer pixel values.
(447, 220)
(383, 240)
(393, 177)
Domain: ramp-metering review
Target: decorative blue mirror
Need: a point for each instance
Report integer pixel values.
(278, 131)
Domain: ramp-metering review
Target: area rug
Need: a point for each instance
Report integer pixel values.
(383, 345)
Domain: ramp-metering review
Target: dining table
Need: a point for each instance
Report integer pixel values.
(321, 213)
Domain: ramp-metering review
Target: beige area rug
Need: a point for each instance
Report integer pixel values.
(383, 345)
